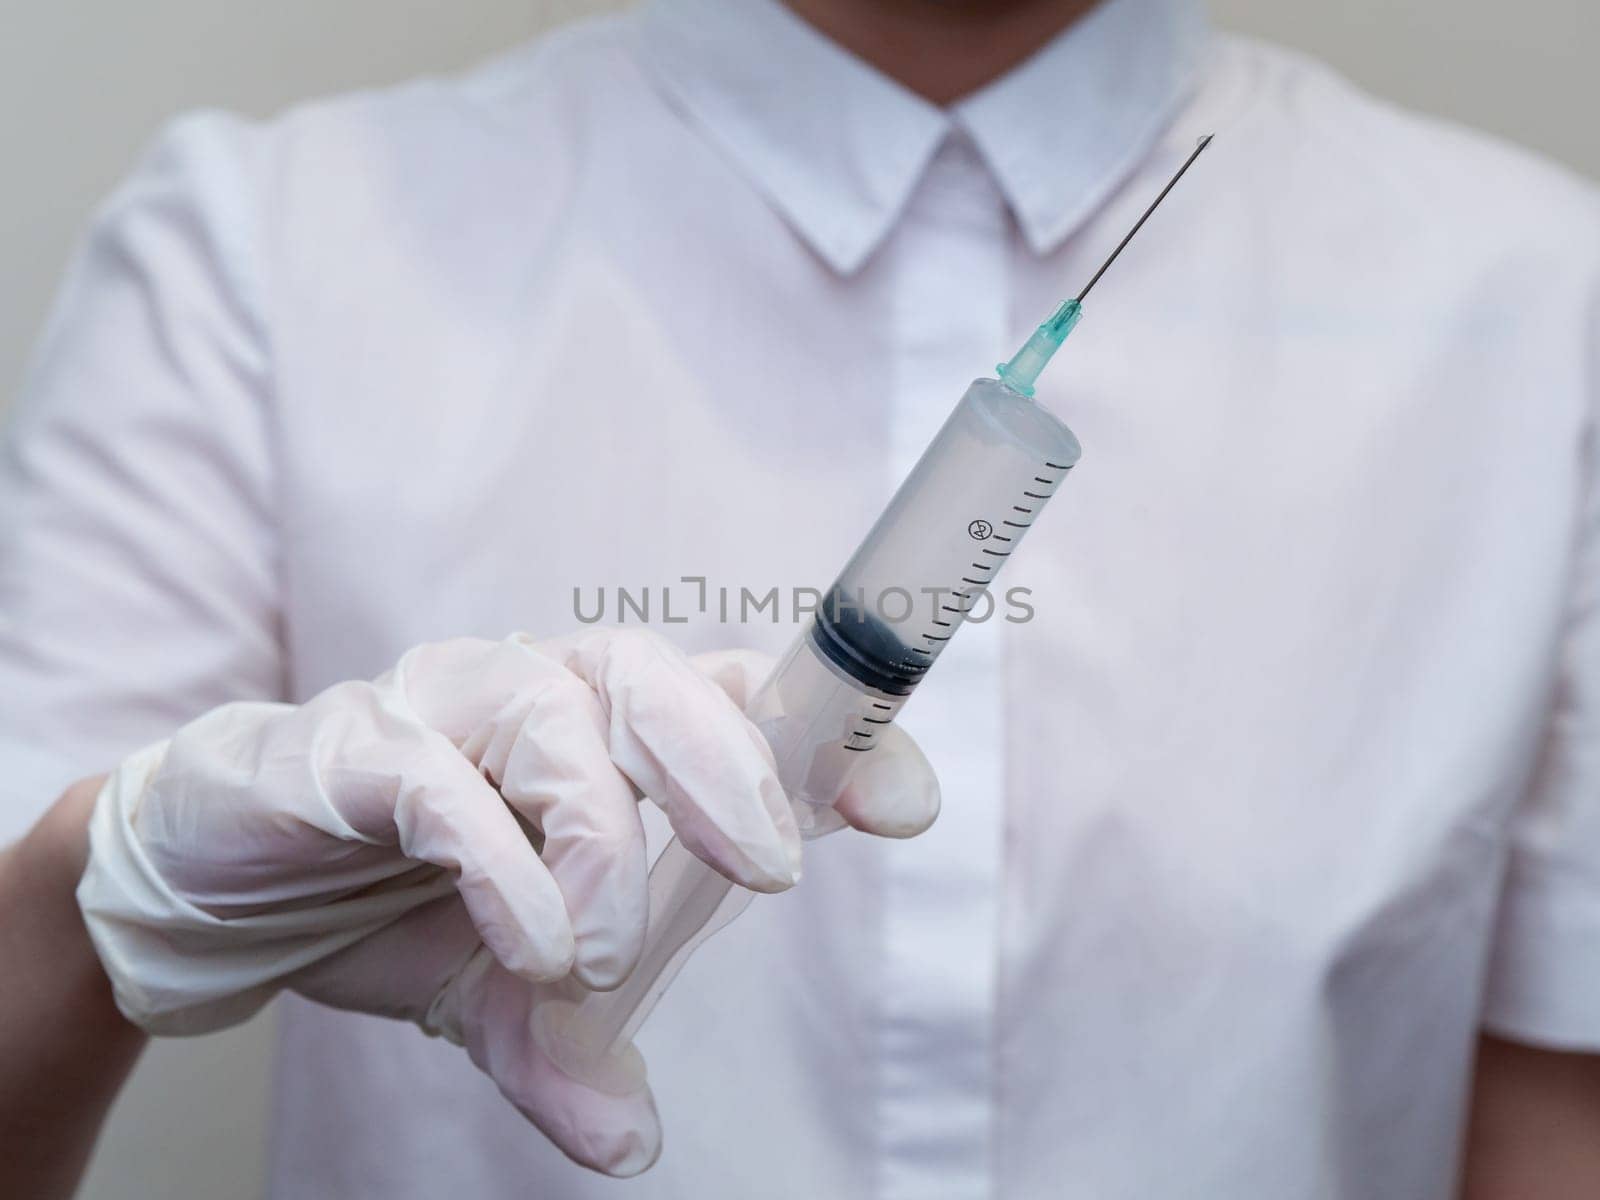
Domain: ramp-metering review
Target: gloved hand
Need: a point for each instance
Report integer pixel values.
(446, 844)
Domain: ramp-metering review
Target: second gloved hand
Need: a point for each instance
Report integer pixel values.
(445, 844)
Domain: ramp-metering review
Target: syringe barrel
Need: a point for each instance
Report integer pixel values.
(819, 722)
(955, 521)
(959, 516)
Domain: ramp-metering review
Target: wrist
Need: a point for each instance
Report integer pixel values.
(57, 847)
(45, 927)
(64, 1047)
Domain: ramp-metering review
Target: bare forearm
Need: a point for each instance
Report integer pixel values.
(1535, 1127)
(64, 1049)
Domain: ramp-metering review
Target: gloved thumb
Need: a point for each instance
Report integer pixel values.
(490, 1012)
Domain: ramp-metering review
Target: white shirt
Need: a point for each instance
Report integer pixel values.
(1291, 784)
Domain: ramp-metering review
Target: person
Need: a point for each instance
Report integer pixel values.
(1267, 862)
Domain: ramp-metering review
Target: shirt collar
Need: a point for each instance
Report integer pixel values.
(837, 147)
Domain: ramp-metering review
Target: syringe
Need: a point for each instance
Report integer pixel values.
(942, 540)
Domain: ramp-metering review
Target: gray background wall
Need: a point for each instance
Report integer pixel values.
(83, 83)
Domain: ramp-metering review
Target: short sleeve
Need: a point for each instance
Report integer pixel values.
(1544, 975)
(137, 577)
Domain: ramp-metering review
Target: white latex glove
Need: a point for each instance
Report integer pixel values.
(375, 848)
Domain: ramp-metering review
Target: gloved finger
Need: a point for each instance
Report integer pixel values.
(893, 791)
(739, 673)
(540, 735)
(491, 1013)
(557, 772)
(446, 814)
(687, 746)
(357, 763)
